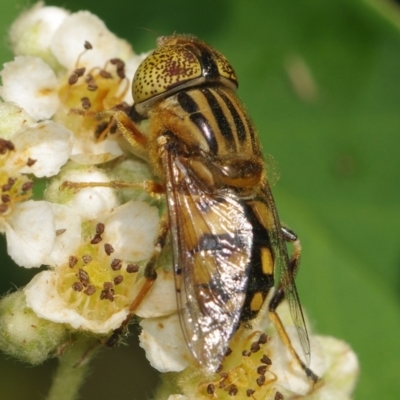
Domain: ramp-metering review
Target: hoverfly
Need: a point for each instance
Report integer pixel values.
(226, 236)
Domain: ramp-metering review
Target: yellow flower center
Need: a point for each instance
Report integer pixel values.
(13, 188)
(89, 97)
(94, 283)
(245, 372)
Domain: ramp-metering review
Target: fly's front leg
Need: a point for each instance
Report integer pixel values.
(279, 296)
(136, 139)
(131, 133)
(150, 276)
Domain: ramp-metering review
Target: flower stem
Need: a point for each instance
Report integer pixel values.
(72, 368)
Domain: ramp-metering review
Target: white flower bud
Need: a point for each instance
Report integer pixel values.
(12, 119)
(32, 31)
(26, 336)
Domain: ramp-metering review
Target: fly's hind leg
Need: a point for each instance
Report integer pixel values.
(279, 296)
(150, 276)
(291, 237)
(294, 262)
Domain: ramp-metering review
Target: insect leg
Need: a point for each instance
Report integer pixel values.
(136, 139)
(151, 187)
(130, 132)
(294, 262)
(279, 296)
(273, 315)
(150, 276)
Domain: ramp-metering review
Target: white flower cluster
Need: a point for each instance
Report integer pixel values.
(69, 69)
(257, 364)
(55, 123)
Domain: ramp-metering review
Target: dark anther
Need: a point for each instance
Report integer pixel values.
(278, 396)
(255, 346)
(263, 338)
(100, 228)
(86, 258)
(80, 71)
(210, 389)
(262, 369)
(86, 104)
(77, 286)
(90, 290)
(30, 162)
(27, 186)
(116, 264)
(266, 360)
(72, 261)
(83, 276)
(250, 392)
(96, 239)
(73, 79)
(233, 390)
(5, 198)
(260, 380)
(108, 249)
(132, 268)
(105, 74)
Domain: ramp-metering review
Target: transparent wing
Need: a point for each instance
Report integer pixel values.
(211, 241)
(286, 277)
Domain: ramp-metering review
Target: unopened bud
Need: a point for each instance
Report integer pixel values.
(24, 335)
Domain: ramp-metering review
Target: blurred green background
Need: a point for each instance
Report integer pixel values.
(321, 79)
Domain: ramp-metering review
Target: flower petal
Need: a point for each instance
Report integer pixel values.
(32, 31)
(89, 153)
(47, 144)
(68, 234)
(161, 299)
(131, 230)
(42, 296)
(68, 42)
(30, 232)
(164, 344)
(32, 84)
(342, 371)
(291, 376)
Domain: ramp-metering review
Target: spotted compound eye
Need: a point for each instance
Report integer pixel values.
(180, 61)
(225, 69)
(164, 69)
